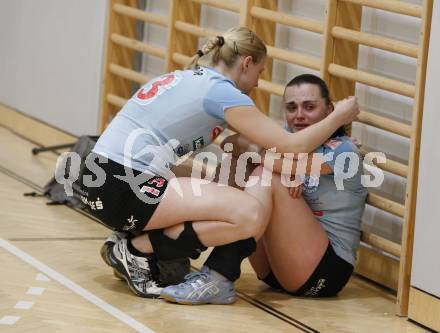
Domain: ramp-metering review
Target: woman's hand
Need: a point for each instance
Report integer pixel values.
(346, 110)
(296, 187)
(296, 192)
(356, 142)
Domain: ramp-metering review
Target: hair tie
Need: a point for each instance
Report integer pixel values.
(200, 53)
(236, 48)
(220, 40)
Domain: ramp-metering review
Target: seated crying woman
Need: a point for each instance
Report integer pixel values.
(309, 246)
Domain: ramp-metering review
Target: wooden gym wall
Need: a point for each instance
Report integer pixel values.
(380, 259)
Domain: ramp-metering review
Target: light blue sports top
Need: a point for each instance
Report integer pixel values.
(339, 210)
(168, 117)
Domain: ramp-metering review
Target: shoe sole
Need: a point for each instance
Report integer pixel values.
(186, 302)
(116, 267)
(105, 249)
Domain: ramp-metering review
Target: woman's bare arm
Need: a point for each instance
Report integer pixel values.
(305, 164)
(258, 128)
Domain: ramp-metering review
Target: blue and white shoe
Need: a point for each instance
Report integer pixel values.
(139, 272)
(205, 287)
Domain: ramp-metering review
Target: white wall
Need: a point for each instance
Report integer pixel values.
(426, 261)
(51, 55)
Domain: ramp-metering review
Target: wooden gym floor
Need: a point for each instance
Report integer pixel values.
(53, 279)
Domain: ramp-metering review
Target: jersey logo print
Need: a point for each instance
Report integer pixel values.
(333, 143)
(147, 94)
(311, 183)
(216, 131)
(318, 213)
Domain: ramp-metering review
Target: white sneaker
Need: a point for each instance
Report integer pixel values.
(139, 272)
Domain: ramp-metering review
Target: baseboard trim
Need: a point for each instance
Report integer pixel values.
(33, 129)
(424, 309)
(378, 267)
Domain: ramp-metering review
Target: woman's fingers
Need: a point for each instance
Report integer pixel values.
(347, 109)
(296, 192)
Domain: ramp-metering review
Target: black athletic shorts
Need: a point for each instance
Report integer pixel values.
(328, 278)
(116, 204)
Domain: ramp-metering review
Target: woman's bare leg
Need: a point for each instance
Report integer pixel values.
(221, 214)
(259, 261)
(294, 241)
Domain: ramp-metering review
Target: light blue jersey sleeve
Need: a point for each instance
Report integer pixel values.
(223, 95)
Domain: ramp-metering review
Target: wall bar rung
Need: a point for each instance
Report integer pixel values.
(116, 100)
(195, 30)
(379, 42)
(390, 165)
(289, 20)
(294, 57)
(181, 59)
(129, 74)
(396, 168)
(138, 46)
(384, 123)
(381, 243)
(394, 6)
(385, 204)
(140, 15)
(373, 80)
(225, 4)
(270, 87)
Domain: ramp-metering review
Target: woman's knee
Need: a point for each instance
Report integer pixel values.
(251, 219)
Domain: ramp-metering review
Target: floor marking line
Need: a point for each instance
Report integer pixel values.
(272, 311)
(54, 275)
(41, 277)
(35, 291)
(23, 305)
(9, 320)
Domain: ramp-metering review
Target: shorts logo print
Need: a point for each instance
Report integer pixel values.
(93, 205)
(315, 290)
(131, 223)
(154, 187)
(150, 190)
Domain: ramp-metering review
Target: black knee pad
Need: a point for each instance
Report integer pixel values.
(226, 259)
(186, 245)
(173, 271)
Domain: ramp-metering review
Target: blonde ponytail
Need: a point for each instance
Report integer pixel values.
(235, 42)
